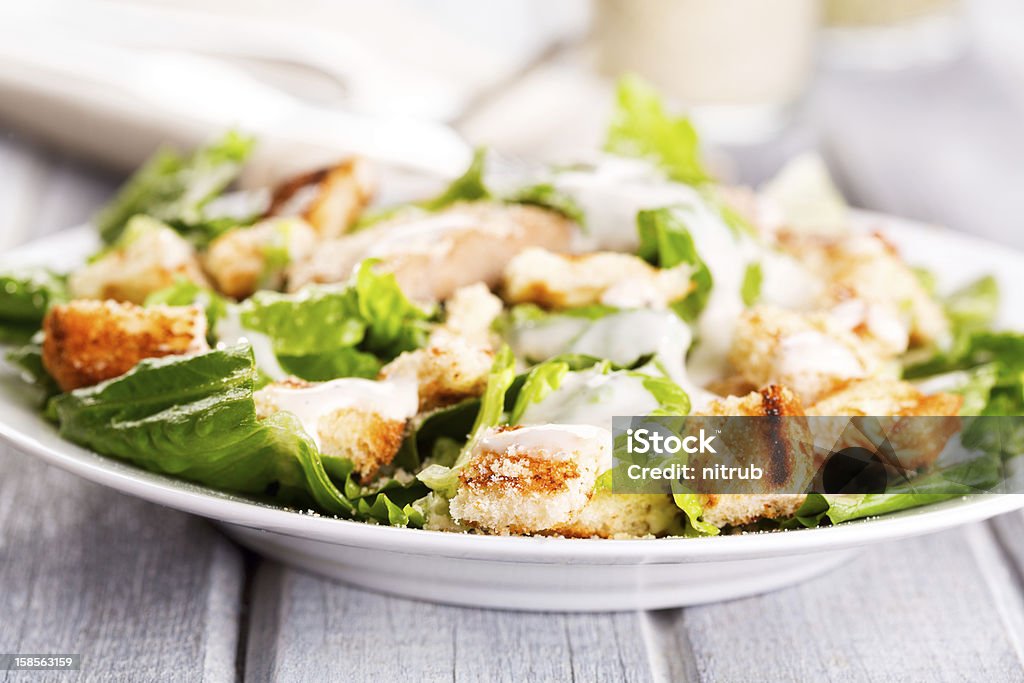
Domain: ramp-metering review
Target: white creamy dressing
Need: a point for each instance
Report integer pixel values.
(592, 398)
(230, 331)
(611, 195)
(815, 353)
(554, 441)
(787, 283)
(622, 338)
(391, 399)
(549, 337)
(651, 291)
(583, 444)
(882, 322)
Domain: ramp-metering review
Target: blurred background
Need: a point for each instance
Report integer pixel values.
(915, 105)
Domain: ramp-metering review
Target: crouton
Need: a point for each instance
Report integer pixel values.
(915, 443)
(358, 419)
(248, 259)
(88, 342)
(433, 255)
(733, 509)
(771, 401)
(330, 199)
(792, 468)
(445, 373)
(867, 267)
(611, 278)
(368, 439)
(526, 480)
(810, 353)
(149, 257)
(610, 515)
(469, 314)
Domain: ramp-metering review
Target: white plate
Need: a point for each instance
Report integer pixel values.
(530, 573)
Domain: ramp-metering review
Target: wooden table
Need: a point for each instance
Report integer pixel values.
(146, 593)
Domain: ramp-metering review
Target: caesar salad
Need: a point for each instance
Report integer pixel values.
(454, 362)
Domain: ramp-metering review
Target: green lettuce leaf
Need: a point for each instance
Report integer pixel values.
(194, 417)
(25, 296)
(176, 189)
(547, 196)
(469, 187)
(28, 360)
(323, 333)
(539, 383)
(975, 476)
(973, 307)
(642, 128)
(666, 242)
(444, 480)
(693, 509)
(750, 291)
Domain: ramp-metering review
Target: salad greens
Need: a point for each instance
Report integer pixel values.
(327, 332)
(25, 296)
(195, 417)
(642, 128)
(176, 189)
(666, 242)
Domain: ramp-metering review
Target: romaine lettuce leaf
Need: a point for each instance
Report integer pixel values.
(323, 333)
(195, 417)
(973, 307)
(444, 480)
(642, 128)
(972, 477)
(547, 196)
(693, 510)
(975, 476)
(666, 242)
(28, 360)
(468, 187)
(25, 296)
(176, 189)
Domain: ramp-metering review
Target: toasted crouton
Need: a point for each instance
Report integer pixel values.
(433, 255)
(610, 515)
(771, 401)
(738, 509)
(791, 468)
(611, 278)
(469, 314)
(810, 353)
(358, 419)
(886, 403)
(247, 259)
(445, 373)
(869, 268)
(88, 342)
(149, 257)
(526, 480)
(330, 199)
(367, 438)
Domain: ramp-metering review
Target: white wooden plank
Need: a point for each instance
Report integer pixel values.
(305, 628)
(141, 592)
(912, 610)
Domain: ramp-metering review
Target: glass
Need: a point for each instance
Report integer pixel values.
(738, 65)
(893, 34)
